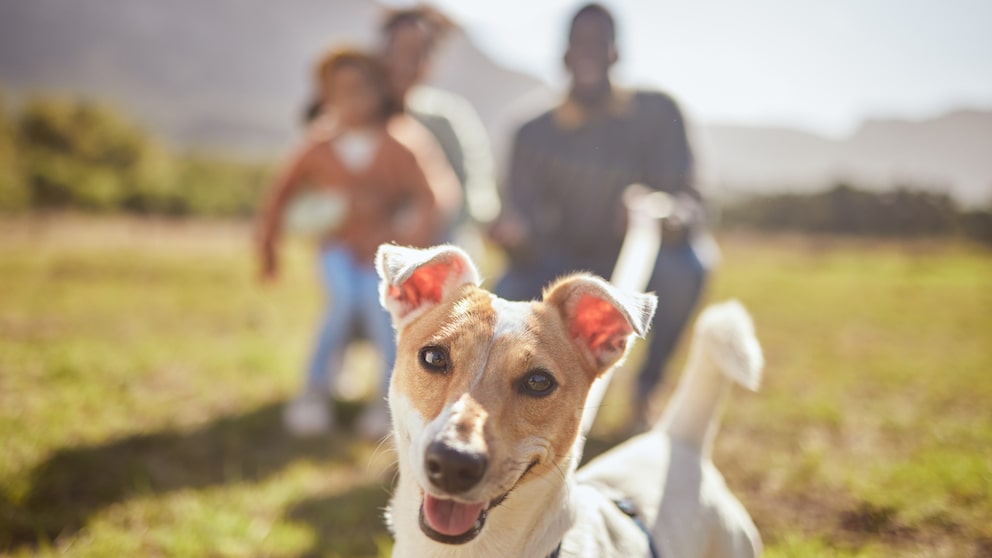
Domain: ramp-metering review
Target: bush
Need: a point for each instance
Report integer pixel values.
(14, 195)
(67, 154)
(78, 155)
(221, 187)
(903, 212)
(978, 225)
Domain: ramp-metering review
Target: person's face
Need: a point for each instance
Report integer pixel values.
(353, 97)
(590, 53)
(407, 53)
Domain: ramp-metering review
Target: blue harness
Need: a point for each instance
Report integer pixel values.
(627, 507)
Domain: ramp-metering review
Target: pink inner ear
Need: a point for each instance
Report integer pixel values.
(599, 325)
(426, 284)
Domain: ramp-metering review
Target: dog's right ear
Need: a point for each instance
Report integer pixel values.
(412, 280)
(600, 318)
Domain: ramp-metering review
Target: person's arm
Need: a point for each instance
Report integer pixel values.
(481, 197)
(521, 194)
(418, 225)
(457, 127)
(672, 169)
(431, 163)
(269, 220)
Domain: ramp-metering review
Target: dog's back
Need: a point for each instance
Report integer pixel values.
(667, 473)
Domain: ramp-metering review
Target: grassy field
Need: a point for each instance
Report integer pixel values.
(142, 372)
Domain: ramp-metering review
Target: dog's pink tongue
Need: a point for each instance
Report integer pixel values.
(449, 517)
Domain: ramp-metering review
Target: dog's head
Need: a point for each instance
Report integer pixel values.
(487, 394)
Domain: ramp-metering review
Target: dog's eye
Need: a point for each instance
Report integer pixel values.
(538, 383)
(434, 359)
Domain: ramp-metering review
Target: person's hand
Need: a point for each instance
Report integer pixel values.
(269, 268)
(675, 226)
(509, 231)
(323, 128)
(513, 235)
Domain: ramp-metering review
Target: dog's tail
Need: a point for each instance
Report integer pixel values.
(724, 351)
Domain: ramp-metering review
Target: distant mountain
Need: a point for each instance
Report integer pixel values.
(228, 74)
(950, 153)
(234, 75)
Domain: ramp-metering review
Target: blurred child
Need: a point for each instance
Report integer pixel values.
(386, 198)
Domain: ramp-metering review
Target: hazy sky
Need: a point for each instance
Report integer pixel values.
(817, 64)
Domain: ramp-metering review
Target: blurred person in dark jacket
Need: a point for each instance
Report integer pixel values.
(562, 201)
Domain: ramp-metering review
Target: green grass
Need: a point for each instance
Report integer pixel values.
(872, 433)
(142, 373)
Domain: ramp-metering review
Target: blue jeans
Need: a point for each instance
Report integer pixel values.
(353, 296)
(677, 279)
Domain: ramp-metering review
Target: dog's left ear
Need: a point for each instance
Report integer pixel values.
(412, 280)
(600, 318)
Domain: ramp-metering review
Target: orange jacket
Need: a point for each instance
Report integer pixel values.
(388, 201)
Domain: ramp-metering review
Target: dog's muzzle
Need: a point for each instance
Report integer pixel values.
(454, 470)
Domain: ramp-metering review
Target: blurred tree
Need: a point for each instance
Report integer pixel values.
(83, 155)
(844, 209)
(978, 225)
(221, 187)
(14, 194)
(80, 155)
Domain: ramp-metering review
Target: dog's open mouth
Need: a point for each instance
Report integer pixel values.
(451, 522)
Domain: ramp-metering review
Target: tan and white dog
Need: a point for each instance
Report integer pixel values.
(486, 400)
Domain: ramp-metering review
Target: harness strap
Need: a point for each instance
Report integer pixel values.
(628, 508)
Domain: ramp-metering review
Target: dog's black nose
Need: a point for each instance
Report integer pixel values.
(454, 470)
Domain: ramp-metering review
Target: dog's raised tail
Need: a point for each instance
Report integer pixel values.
(724, 351)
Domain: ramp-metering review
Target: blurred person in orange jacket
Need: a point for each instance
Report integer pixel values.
(373, 191)
(408, 42)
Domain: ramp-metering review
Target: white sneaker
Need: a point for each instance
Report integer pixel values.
(307, 415)
(374, 424)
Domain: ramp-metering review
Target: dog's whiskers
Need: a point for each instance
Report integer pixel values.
(381, 450)
(558, 468)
